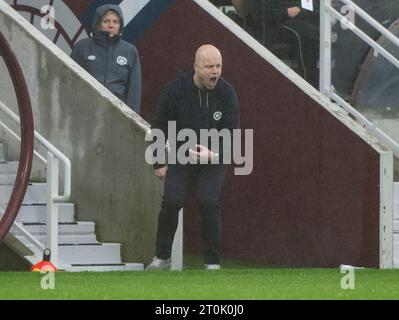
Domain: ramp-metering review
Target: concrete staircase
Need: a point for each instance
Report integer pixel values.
(78, 248)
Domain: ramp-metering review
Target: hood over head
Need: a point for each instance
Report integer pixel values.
(101, 11)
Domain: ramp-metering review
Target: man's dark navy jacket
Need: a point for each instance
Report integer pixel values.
(192, 108)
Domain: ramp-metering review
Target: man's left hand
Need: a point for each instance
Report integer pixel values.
(293, 11)
(202, 153)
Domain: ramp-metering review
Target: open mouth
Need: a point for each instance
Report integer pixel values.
(213, 80)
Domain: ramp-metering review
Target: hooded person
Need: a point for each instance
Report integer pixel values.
(111, 60)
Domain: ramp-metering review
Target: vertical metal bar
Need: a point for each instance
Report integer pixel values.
(325, 47)
(2, 153)
(177, 248)
(52, 207)
(386, 210)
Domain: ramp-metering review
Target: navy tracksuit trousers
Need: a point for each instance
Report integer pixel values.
(179, 182)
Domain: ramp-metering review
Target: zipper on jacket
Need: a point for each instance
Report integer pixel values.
(200, 98)
(109, 55)
(199, 94)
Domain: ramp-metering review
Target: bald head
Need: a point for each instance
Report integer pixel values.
(207, 66)
(205, 51)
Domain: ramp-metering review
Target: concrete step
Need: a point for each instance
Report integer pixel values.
(35, 193)
(83, 254)
(10, 167)
(64, 239)
(70, 228)
(38, 213)
(396, 250)
(94, 267)
(103, 267)
(98, 253)
(395, 226)
(7, 178)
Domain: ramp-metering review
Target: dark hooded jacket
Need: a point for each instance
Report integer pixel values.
(192, 108)
(267, 16)
(112, 61)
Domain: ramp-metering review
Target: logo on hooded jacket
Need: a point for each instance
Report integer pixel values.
(217, 115)
(121, 60)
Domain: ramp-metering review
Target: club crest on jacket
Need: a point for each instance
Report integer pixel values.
(121, 60)
(217, 115)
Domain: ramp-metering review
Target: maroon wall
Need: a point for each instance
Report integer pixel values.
(312, 199)
(77, 7)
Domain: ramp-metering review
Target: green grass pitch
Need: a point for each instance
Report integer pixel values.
(232, 282)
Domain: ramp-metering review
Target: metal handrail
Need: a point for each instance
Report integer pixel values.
(53, 197)
(18, 138)
(48, 146)
(372, 22)
(378, 133)
(326, 88)
(362, 35)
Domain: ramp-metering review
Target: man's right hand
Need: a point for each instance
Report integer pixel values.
(293, 11)
(161, 173)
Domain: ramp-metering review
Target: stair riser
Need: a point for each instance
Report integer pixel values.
(74, 229)
(106, 253)
(38, 213)
(95, 268)
(10, 167)
(36, 193)
(87, 254)
(7, 178)
(68, 239)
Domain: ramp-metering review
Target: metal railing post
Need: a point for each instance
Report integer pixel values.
(177, 247)
(52, 207)
(325, 48)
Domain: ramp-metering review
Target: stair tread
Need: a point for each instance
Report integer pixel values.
(103, 267)
(81, 244)
(45, 204)
(59, 223)
(93, 267)
(97, 264)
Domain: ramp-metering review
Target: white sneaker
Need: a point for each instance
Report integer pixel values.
(159, 264)
(212, 266)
